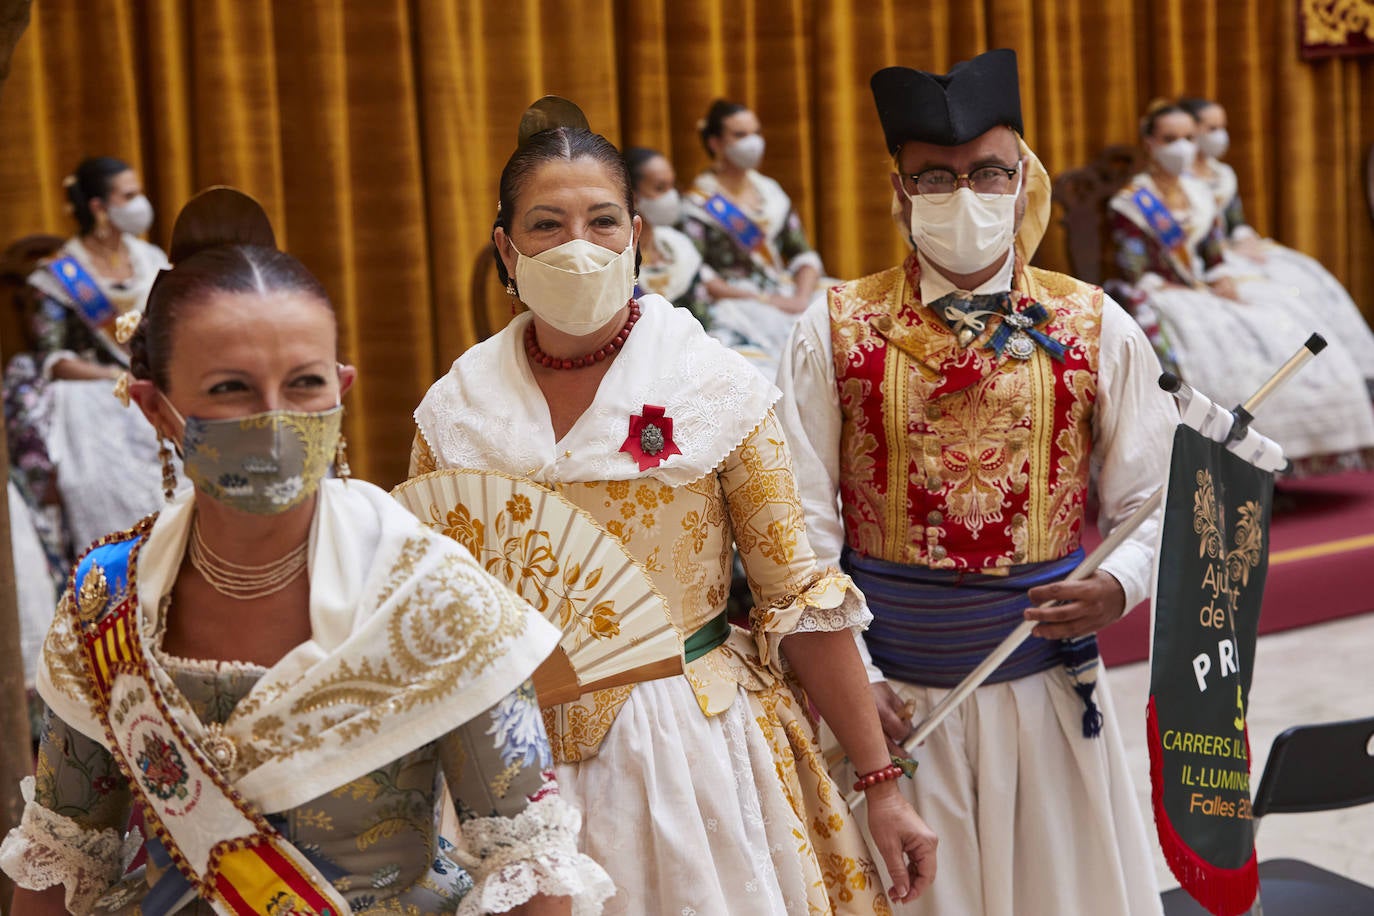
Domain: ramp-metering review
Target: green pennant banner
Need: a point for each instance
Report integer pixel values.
(1213, 557)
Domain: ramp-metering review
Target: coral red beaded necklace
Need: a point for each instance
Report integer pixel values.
(537, 355)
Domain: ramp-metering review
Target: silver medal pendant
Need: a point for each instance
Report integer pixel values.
(651, 440)
(1020, 345)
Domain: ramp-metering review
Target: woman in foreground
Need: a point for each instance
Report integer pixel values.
(278, 666)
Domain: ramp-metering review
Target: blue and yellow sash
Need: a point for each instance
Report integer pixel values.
(252, 869)
(736, 224)
(1160, 220)
(87, 300)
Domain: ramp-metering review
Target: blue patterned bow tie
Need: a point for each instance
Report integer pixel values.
(967, 317)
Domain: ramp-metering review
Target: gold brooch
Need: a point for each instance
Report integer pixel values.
(222, 750)
(93, 594)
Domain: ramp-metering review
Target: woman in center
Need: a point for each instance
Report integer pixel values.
(705, 792)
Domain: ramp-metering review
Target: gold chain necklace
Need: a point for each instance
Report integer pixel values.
(245, 583)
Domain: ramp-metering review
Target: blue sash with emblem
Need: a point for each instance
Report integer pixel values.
(742, 230)
(1161, 221)
(86, 298)
(228, 854)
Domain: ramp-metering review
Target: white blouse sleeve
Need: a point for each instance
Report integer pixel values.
(1133, 428)
(809, 412)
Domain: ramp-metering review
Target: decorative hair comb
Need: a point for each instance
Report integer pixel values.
(548, 113)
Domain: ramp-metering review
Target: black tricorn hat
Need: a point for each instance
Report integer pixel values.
(974, 97)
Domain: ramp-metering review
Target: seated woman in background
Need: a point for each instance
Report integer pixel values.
(1225, 327)
(104, 271)
(1336, 315)
(85, 467)
(670, 264)
(760, 272)
(278, 667)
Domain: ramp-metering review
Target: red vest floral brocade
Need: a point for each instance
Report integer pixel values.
(951, 457)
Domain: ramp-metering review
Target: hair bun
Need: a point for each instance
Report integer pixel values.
(548, 113)
(216, 217)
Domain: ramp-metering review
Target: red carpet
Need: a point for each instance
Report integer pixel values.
(1321, 562)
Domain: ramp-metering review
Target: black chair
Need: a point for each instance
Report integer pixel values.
(1310, 768)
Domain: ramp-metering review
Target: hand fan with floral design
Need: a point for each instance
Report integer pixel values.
(553, 554)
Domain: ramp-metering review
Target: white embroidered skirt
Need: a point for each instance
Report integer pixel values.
(686, 812)
(1333, 313)
(1227, 349)
(106, 458)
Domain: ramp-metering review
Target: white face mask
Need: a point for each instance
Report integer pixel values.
(1215, 143)
(133, 217)
(1176, 157)
(576, 287)
(746, 152)
(964, 233)
(663, 210)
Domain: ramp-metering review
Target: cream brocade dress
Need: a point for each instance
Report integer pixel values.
(702, 794)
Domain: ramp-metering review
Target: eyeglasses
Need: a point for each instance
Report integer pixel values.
(988, 182)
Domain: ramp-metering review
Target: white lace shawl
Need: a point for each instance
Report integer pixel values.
(488, 411)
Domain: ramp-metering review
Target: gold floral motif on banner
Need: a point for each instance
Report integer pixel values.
(1209, 524)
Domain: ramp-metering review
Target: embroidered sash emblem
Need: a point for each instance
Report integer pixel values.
(164, 772)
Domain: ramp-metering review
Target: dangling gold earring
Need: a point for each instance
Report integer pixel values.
(169, 470)
(341, 469)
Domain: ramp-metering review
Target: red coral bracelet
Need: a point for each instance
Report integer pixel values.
(867, 781)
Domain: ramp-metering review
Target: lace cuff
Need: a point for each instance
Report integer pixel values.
(47, 849)
(825, 604)
(513, 859)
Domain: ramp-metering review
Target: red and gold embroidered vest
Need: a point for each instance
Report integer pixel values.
(952, 457)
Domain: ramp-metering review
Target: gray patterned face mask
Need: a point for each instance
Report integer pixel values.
(265, 463)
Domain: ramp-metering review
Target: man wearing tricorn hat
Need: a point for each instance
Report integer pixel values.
(950, 408)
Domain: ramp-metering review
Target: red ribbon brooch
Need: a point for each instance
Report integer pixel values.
(650, 441)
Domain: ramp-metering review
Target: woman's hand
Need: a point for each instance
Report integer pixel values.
(792, 305)
(904, 841)
(541, 905)
(1225, 287)
(1252, 248)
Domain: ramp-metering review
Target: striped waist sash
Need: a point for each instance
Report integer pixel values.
(932, 627)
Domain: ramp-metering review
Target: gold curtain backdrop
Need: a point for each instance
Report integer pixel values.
(374, 130)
